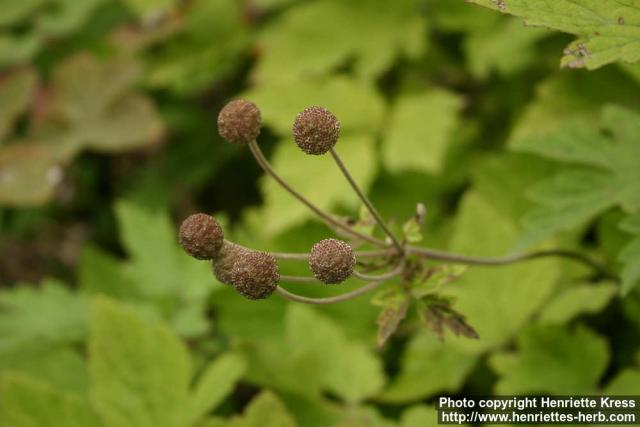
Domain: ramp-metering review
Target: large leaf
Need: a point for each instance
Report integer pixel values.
(322, 360)
(420, 129)
(429, 366)
(215, 383)
(607, 29)
(497, 302)
(607, 174)
(577, 300)
(140, 370)
(316, 37)
(27, 402)
(553, 360)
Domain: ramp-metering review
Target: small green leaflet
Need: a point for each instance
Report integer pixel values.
(607, 30)
(395, 303)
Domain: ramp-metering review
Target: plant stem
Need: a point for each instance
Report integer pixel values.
(329, 300)
(511, 259)
(366, 201)
(299, 279)
(264, 163)
(383, 276)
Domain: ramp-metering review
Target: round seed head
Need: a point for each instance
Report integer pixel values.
(316, 130)
(201, 236)
(332, 261)
(223, 264)
(255, 275)
(239, 122)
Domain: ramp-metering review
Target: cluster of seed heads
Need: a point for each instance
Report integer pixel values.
(256, 274)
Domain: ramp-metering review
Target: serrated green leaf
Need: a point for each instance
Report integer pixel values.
(610, 176)
(27, 402)
(573, 100)
(607, 29)
(577, 300)
(215, 383)
(266, 410)
(140, 370)
(394, 304)
(553, 360)
(429, 366)
(314, 38)
(435, 278)
(101, 273)
(420, 129)
(49, 315)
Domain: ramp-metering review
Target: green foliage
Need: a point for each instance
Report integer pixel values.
(30, 403)
(325, 360)
(455, 120)
(314, 38)
(552, 360)
(605, 175)
(141, 371)
(265, 410)
(413, 144)
(607, 29)
(61, 316)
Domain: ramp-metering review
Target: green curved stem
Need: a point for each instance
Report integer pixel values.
(329, 300)
(511, 259)
(266, 166)
(363, 197)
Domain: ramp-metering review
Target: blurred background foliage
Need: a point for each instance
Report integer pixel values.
(108, 140)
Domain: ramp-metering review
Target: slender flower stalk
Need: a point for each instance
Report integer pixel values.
(266, 166)
(383, 276)
(363, 197)
(511, 259)
(329, 300)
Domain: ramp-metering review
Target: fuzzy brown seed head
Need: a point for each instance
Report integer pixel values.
(316, 130)
(332, 261)
(201, 236)
(239, 122)
(227, 258)
(255, 275)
